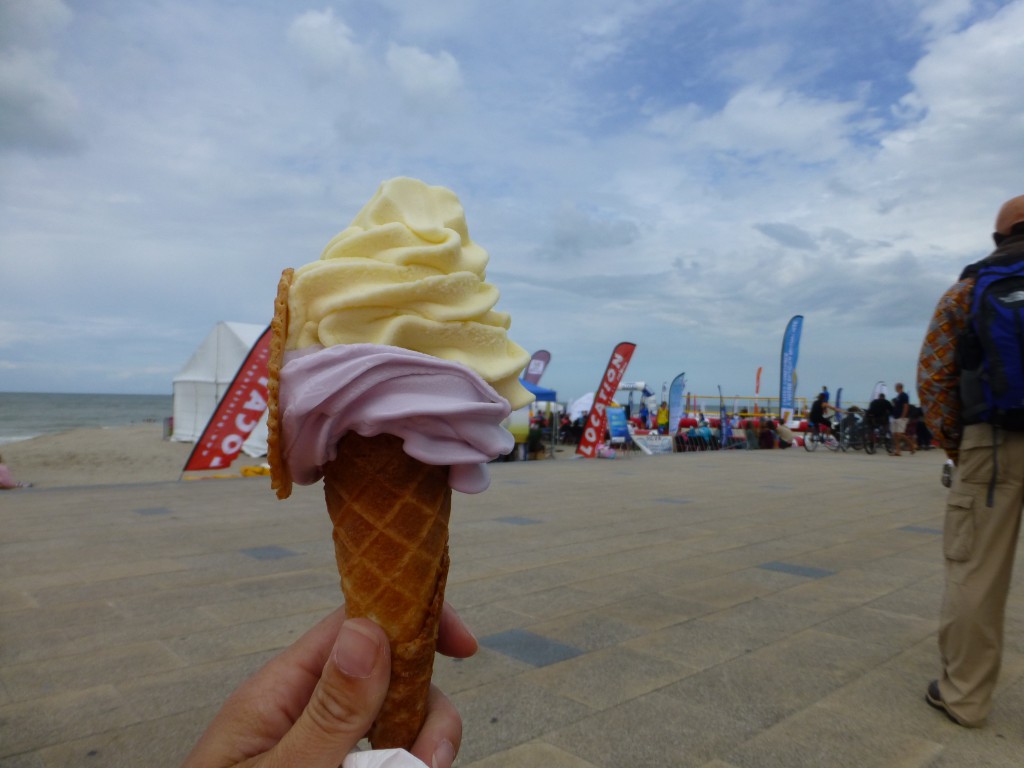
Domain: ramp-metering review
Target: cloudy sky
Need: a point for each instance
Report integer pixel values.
(684, 175)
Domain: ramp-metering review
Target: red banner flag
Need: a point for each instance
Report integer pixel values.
(593, 429)
(237, 413)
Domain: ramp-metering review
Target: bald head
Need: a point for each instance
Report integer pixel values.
(1011, 213)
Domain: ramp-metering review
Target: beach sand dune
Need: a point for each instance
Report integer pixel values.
(115, 456)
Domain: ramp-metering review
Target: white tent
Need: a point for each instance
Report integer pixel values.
(204, 379)
(580, 407)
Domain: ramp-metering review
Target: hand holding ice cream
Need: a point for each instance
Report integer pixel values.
(283, 715)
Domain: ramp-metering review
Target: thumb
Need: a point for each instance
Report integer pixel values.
(345, 701)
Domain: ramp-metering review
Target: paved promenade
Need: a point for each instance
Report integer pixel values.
(739, 609)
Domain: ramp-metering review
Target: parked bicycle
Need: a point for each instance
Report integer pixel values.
(877, 436)
(852, 430)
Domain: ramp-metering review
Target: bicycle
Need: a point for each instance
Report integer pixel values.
(823, 436)
(852, 433)
(875, 436)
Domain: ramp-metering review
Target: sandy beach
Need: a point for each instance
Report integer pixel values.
(113, 456)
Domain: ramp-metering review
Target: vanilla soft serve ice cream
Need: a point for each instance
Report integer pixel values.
(393, 330)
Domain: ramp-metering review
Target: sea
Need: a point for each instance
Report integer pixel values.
(24, 415)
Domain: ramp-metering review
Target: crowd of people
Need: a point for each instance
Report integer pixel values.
(896, 417)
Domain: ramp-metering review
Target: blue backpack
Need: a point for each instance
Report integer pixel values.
(992, 350)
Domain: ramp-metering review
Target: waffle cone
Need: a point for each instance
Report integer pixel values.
(390, 514)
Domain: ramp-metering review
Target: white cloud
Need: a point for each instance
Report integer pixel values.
(942, 17)
(954, 157)
(426, 79)
(326, 45)
(758, 121)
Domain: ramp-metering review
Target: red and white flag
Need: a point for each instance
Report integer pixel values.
(593, 428)
(237, 413)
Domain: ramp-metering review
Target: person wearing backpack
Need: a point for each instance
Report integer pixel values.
(971, 384)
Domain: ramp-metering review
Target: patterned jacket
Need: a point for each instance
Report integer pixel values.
(938, 368)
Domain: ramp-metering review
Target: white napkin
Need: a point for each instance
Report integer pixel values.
(382, 758)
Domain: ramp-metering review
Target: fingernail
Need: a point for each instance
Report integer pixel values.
(444, 755)
(464, 625)
(356, 650)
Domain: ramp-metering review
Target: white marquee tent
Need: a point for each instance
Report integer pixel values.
(204, 379)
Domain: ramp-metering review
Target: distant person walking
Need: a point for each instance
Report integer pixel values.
(983, 511)
(900, 421)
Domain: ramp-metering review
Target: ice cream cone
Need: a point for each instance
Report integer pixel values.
(393, 331)
(390, 514)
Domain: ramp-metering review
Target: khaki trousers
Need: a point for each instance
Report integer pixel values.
(979, 543)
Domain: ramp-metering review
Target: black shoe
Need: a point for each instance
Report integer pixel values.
(934, 698)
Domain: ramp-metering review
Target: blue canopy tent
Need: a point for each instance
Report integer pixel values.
(542, 394)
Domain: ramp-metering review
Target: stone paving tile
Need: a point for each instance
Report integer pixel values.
(652, 731)
(921, 599)
(530, 647)
(151, 743)
(486, 618)
(778, 680)
(608, 677)
(245, 638)
(649, 610)
(588, 631)
(698, 643)
(840, 591)
(25, 578)
(815, 738)
(555, 602)
(32, 622)
(894, 631)
(531, 755)
(124, 628)
(736, 588)
(110, 664)
(256, 607)
(772, 620)
(46, 720)
(487, 666)
(158, 695)
(289, 581)
(660, 578)
(500, 715)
